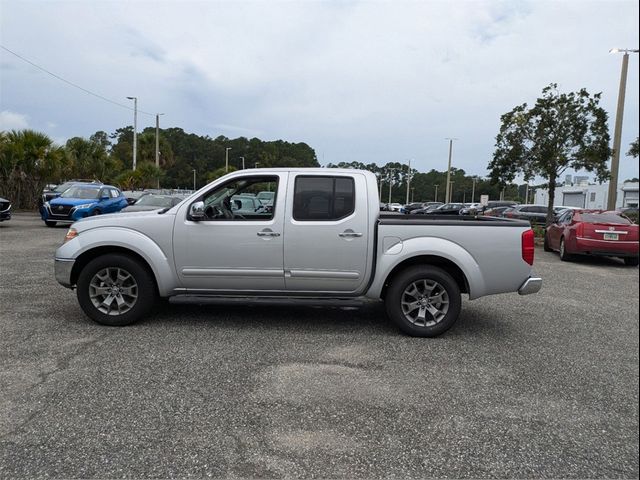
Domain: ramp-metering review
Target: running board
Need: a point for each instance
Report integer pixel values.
(289, 301)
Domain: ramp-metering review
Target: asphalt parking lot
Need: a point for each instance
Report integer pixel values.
(537, 386)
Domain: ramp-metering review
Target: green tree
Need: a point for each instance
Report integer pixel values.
(28, 161)
(633, 149)
(560, 131)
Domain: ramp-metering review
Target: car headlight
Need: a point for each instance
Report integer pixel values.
(71, 234)
(85, 205)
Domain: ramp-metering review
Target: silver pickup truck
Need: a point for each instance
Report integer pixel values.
(317, 234)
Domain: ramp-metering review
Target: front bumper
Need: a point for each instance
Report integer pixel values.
(531, 285)
(63, 268)
(6, 215)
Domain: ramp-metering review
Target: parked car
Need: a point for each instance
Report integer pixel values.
(5, 209)
(496, 211)
(384, 207)
(412, 206)
(428, 207)
(133, 196)
(152, 202)
(56, 191)
(81, 201)
(536, 214)
(247, 205)
(447, 209)
(323, 239)
(266, 197)
(593, 232)
(394, 207)
(470, 209)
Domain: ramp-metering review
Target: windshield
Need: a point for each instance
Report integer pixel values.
(155, 201)
(81, 192)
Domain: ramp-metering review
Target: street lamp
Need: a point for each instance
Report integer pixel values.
(158, 143)
(447, 196)
(617, 134)
(473, 189)
(436, 185)
(256, 165)
(135, 129)
(242, 158)
(391, 170)
(408, 180)
(226, 159)
(194, 179)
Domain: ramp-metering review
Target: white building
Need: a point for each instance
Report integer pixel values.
(586, 195)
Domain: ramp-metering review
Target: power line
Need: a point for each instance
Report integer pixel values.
(122, 105)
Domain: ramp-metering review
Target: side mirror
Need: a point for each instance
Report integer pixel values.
(196, 211)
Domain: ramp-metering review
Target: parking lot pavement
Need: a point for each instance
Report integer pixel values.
(538, 386)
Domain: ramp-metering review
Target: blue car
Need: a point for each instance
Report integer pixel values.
(80, 201)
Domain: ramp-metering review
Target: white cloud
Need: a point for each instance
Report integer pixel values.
(13, 121)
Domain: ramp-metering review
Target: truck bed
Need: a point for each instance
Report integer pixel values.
(386, 218)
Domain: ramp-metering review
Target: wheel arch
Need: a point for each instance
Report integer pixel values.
(84, 258)
(431, 260)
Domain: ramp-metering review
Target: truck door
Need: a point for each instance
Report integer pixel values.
(227, 251)
(326, 233)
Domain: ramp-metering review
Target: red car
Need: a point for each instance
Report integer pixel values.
(593, 232)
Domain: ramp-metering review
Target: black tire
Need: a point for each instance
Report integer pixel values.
(547, 247)
(145, 289)
(631, 261)
(49, 223)
(564, 255)
(403, 281)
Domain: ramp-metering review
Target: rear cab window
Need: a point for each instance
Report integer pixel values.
(605, 217)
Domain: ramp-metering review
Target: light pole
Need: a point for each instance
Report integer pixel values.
(256, 165)
(473, 189)
(194, 179)
(408, 180)
(226, 159)
(158, 143)
(447, 196)
(412, 192)
(242, 162)
(390, 183)
(135, 129)
(436, 199)
(450, 191)
(617, 134)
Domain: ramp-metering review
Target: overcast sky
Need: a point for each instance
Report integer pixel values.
(357, 81)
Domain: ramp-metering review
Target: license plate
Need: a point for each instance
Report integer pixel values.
(611, 236)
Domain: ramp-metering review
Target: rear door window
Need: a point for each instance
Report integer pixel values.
(323, 198)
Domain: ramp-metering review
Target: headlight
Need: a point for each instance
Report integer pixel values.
(86, 205)
(71, 234)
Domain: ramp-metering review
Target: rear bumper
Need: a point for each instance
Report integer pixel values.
(63, 268)
(531, 285)
(614, 248)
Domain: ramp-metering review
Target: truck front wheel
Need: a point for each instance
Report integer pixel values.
(115, 290)
(423, 301)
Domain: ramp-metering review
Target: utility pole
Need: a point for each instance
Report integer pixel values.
(390, 183)
(242, 162)
(194, 179)
(256, 165)
(526, 194)
(158, 144)
(450, 191)
(412, 192)
(617, 134)
(226, 159)
(436, 199)
(447, 196)
(135, 130)
(473, 189)
(408, 180)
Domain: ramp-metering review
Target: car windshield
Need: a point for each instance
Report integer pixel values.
(81, 192)
(62, 187)
(155, 201)
(605, 217)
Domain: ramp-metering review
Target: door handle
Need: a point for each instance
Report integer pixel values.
(349, 234)
(268, 234)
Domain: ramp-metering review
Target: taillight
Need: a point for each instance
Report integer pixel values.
(528, 247)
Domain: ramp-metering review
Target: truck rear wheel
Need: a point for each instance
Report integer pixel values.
(423, 301)
(115, 290)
